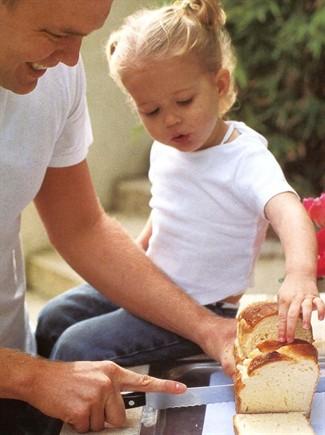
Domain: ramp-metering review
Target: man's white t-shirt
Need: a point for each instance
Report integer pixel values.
(48, 127)
(208, 220)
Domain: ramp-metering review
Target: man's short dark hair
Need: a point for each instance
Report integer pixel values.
(8, 2)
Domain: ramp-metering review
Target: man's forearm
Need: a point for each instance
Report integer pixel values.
(16, 371)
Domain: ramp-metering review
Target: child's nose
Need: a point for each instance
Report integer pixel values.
(171, 119)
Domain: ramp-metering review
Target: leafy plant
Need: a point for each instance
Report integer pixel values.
(280, 76)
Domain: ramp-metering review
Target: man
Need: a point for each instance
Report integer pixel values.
(44, 137)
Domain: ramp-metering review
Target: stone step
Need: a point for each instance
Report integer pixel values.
(131, 197)
(49, 275)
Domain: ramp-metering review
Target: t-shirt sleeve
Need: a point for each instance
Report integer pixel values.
(75, 136)
(260, 178)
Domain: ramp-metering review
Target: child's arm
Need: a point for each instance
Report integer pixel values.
(298, 291)
(143, 238)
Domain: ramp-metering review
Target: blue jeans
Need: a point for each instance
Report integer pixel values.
(82, 324)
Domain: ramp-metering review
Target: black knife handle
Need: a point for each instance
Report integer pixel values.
(134, 400)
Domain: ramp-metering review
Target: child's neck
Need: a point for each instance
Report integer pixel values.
(217, 135)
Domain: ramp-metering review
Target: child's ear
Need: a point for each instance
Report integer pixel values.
(222, 80)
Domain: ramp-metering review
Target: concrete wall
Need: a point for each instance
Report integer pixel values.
(120, 148)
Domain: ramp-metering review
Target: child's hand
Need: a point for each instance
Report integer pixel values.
(298, 294)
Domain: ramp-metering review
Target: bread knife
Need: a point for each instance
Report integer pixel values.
(194, 396)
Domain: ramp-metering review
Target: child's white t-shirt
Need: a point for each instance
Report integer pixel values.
(48, 127)
(208, 219)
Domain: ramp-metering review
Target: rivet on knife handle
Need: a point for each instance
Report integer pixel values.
(134, 400)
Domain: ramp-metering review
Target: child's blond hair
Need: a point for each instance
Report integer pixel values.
(182, 28)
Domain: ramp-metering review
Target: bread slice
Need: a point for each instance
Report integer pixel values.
(319, 331)
(258, 322)
(292, 423)
(277, 377)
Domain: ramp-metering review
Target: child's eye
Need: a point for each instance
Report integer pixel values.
(185, 102)
(152, 113)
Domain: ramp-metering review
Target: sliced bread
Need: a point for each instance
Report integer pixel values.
(293, 423)
(277, 377)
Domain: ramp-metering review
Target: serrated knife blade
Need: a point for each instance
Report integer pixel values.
(194, 396)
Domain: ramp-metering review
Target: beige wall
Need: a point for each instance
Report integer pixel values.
(119, 149)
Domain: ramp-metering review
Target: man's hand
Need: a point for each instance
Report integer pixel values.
(217, 341)
(87, 394)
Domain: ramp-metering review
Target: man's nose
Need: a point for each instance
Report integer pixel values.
(69, 52)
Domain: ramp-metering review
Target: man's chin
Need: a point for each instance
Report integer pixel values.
(23, 89)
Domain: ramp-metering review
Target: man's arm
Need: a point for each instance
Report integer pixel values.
(102, 253)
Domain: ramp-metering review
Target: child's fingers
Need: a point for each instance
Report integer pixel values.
(319, 304)
(282, 327)
(292, 318)
(307, 309)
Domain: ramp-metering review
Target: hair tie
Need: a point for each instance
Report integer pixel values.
(184, 4)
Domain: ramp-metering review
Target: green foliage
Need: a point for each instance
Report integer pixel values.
(280, 78)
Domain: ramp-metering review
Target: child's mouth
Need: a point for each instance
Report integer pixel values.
(181, 137)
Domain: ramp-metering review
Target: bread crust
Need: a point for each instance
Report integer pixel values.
(272, 345)
(258, 323)
(254, 313)
(297, 350)
(262, 360)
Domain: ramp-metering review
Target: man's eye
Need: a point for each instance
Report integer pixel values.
(185, 102)
(54, 35)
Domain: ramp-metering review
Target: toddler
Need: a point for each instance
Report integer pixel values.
(215, 185)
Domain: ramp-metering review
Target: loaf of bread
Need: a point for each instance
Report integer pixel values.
(293, 423)
(277, 377)
(258, 322)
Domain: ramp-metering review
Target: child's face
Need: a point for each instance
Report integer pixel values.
(178, 102)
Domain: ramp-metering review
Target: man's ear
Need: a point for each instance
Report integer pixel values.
(222, 80)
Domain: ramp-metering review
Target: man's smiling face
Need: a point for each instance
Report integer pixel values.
(39, 34)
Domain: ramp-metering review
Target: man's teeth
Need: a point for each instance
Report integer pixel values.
(38, 66)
